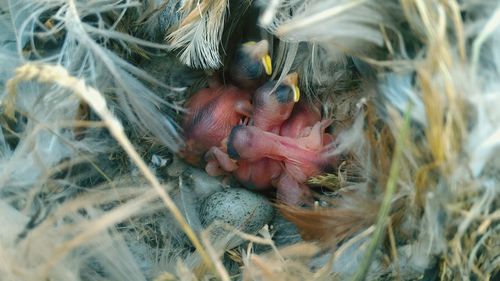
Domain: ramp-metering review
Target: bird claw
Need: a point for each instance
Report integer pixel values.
(312, 137)
(219, 160)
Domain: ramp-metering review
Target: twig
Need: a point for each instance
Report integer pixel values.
(224, 275)
(394, 251)
(382, 217)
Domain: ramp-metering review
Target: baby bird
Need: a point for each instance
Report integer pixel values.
(273, 103)
(212, 113)
(304, 124)
(300, 157)
(251, 65)
(272, 106)
(306, 153)
(284, 146)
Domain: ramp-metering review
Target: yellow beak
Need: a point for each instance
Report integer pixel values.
(266, 62)
(292, 80)
(260, 50)
(296, 93)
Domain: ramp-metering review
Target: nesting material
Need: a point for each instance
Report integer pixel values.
(92, 94)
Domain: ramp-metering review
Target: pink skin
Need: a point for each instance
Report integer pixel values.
(260, 174)
(303, 116)
(303, 157)
(269, 113)
(299, 159)
(283, 149)
(302, 120)
(212, 113)
(291, 191)
(305, 154)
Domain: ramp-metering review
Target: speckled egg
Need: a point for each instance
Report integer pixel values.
(239, 208)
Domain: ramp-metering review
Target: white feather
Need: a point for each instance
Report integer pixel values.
(85, 53)
(200, 38)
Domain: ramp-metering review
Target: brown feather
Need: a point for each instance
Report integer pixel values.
(329, 225)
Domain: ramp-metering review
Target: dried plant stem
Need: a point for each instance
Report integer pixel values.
(98, 226)
(383, 213)
(394, 250)
(223, 274)
(342, 250)
(59, 75)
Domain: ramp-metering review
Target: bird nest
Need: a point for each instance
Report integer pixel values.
(93, 92)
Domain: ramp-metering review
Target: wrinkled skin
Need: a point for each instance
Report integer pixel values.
(285, 145)
(301, 150)
(259, 174)
(272, 108)
(307, 153)
(302, 117)
(212, 113)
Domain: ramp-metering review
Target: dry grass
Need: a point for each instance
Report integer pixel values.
(54, 74)
(417, 191)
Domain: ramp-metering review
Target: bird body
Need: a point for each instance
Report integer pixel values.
(284, 146)
(259, 174)
(300, 150)
(273, 103)
(302, 117)
(212, 113)
(303, 157)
